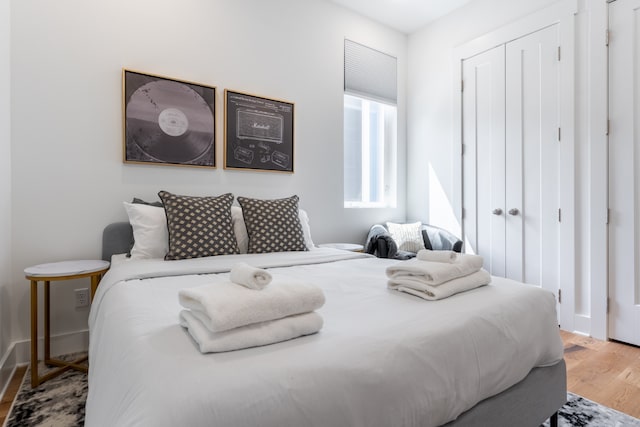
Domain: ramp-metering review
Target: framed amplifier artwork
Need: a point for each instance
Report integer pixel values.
(258, 133)
(168, 121)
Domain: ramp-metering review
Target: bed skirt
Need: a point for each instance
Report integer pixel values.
(528, 403)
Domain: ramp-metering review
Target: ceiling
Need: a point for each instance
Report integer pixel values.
(406, 16)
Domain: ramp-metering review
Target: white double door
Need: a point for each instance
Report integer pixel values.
(511, 152)
(624, 171)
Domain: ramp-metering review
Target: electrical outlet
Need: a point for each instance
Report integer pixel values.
(82, 297)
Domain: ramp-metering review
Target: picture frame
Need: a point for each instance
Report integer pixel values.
(258, 133)
(167, 121)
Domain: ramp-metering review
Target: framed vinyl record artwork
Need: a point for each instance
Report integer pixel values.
(168, 121)
(258, 133)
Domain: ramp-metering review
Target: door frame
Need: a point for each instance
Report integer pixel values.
(598, 142)
(561, 13)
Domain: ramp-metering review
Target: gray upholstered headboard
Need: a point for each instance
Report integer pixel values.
(117, 238)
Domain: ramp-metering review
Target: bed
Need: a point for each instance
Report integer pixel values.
(490, 356)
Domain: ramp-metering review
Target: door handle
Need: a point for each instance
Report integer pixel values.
(514, 211)
(497, 211)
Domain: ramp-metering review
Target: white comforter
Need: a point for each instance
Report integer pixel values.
(383, 358)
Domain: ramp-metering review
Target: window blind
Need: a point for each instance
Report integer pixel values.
(370, 73)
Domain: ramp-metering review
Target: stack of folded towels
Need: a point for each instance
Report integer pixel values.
(434, 275)
(249, 311)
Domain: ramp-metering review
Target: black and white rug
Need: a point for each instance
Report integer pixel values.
(581, 412)
(60, 403)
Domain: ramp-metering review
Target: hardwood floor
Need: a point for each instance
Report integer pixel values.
(606, 372)
(10, 394)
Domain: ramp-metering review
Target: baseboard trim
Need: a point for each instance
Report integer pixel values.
(582, 324)
(69, 342)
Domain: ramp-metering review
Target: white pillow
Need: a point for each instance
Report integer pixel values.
(408, 237)
(149, 230)
(240, 229)
(242, 236)
(306, 230)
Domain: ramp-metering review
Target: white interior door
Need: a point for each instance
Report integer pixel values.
(510, 109)
(624, 175)
(483, 110)
(532, 159)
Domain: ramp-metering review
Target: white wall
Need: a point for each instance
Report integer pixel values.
(68, 175)
(431, 153)
(5, 193)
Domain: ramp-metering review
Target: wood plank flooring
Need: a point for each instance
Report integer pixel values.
(606, 372)
(10, 393)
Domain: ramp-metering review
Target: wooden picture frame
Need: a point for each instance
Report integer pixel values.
(168, 121)
(258, 133)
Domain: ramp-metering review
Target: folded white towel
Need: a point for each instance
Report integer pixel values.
(437, 256)
(227, 305)
(444, 290)
(249, 276)
(253, 335)
(435, 273)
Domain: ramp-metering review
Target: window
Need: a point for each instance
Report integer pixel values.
(370, 127)
(369, 153)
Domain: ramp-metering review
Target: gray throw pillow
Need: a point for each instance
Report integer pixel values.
(157, 204)
(273, 225)
(199, 226)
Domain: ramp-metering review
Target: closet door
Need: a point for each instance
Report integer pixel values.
(510, 109)
(483, 110)
(532, 159)
(624, 171)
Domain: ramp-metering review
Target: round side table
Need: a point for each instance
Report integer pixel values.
(47, 273)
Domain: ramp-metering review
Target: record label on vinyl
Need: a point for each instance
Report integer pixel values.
(173, 122)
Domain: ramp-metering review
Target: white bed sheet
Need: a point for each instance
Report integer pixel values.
(383, 358)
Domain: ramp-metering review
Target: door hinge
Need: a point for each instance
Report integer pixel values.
(608, 216)
(559, 215)
(559, 56)
(559, 134)
(608, 127)
(606, 37)
(461, 85)
(464, 213)
(464, 148)
(559, 296)
(608, 304)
